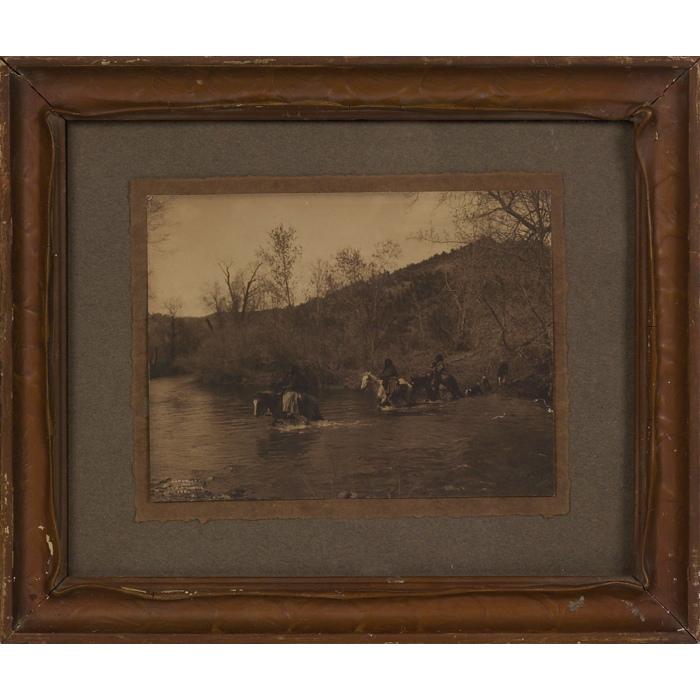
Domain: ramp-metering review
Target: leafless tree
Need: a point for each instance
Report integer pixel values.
(366, 292)
(235, 298)
(385, 256)
(159, 213)
(159, 222)
(173, 306)
(513, 283)
(322, 282)
(513, 215)
(280, 255)
(232, 284)
(251, 289)
(216, 301)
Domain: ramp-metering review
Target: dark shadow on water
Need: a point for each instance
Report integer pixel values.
(291, 445)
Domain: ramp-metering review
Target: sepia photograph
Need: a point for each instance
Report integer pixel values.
(351, 345)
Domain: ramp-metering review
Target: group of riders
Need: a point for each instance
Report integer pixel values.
(294, 395)
(436, 382)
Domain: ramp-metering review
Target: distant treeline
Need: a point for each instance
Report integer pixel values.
(487, 301)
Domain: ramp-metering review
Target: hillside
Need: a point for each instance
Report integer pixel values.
(478, 305)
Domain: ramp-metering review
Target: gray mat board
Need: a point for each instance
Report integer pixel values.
(595, 538)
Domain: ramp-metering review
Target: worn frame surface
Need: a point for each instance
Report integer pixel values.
(661, 602)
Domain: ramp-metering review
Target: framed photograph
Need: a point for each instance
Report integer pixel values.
(350, 350)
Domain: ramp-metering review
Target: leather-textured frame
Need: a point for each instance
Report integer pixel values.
(39, 602)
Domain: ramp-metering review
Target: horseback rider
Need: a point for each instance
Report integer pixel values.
(292, 384)
(293, 380)
(438, 366)
(438, 372)
(388, 375)
(393, 387)
(439, 375)
(297, 379)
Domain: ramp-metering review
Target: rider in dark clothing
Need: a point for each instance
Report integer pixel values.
(294, 387)
(293, 381)
(438, 367)
(440, 375)
(388, 373)
(437, 372)
(296, 380)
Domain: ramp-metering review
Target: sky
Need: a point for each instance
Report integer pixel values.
(199, 230)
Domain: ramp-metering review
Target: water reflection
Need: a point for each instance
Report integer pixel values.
(206, 444)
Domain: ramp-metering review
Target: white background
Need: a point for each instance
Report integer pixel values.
(359, 28)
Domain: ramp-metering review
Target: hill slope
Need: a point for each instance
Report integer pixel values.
(478, 305)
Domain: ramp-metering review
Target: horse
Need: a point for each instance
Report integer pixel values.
(401, 392)
(271, 402)
(425, 383)
(446, 390)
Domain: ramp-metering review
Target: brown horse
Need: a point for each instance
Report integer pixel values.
(270, 402)
(444, 389)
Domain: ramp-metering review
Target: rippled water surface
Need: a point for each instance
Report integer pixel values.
(207, 445)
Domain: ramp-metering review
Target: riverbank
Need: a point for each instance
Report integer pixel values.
(469, 370)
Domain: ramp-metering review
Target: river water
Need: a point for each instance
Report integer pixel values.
(207, 445)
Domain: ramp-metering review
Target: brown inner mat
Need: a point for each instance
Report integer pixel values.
(594, 538)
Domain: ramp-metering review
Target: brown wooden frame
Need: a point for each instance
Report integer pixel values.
(661, 602)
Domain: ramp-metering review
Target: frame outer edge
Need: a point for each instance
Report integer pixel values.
(147, 607)
(663, 153)
(671, 413)
(679, 637)
(6, 519)
(321, 89)
(694, 354)
(31, 547)
(36, 548)
(21, 62)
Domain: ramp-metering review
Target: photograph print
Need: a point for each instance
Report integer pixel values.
(349, 346)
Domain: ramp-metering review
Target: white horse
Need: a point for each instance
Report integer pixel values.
(402, 390)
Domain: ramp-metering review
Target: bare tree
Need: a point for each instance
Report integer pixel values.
(512, 215)
(159, 215)
(513, 283)
(173, 306)
(251, 290)
(280, 255)
(367, 293)
(236, 298)
(216, 301)
(385, 256)
(159, 222)
(350, 266)
(232, 283)
(322, 282)
(420, 308)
